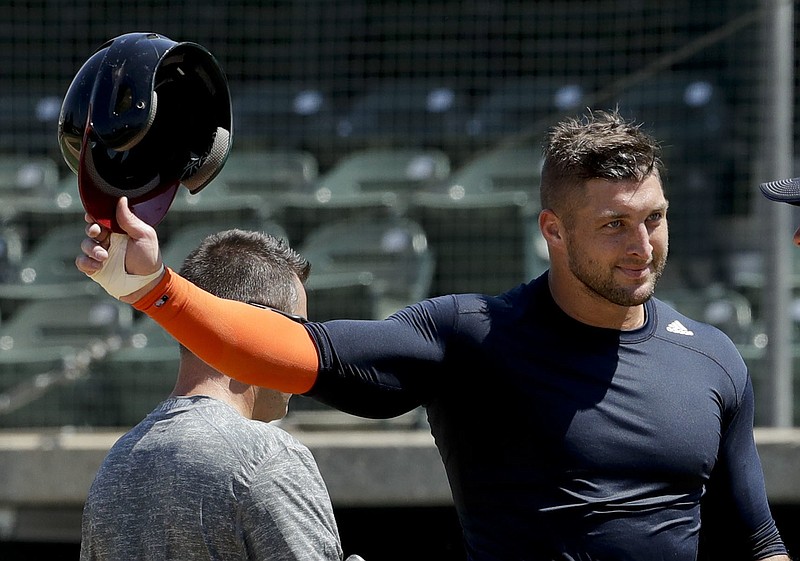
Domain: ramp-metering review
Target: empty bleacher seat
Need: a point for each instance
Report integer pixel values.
(215, 203)
(25, 178)
(10, 253)
(504, 168)
(409, 112)
(525, 106)
(483, 242)
(264, 172)
(344, 295)
(394, 252)
(47, 348)
(278, 114)
(385, 169)
(370, 182)
(59, 206)
(47, 271)
(28, 119)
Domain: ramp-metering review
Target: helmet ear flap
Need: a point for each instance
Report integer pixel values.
(212, 163)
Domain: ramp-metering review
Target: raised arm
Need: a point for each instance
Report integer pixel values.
(255, 345)
(250, 344)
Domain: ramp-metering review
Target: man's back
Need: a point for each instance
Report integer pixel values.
(196, 480)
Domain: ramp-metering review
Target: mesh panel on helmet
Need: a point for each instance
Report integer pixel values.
(197, 178)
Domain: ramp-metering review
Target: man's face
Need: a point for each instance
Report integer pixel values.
(617, 240)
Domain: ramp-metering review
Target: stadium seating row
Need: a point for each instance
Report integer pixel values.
(485, 209)
(484, 243)
(419, 111)
(685, 110)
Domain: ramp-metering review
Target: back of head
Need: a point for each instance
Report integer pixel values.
(248, 266)
(600, 145)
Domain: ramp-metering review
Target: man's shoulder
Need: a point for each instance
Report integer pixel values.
(669, 319)
(204, 427)
(703, 339)
(482, 303)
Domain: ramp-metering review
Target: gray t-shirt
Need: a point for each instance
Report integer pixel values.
(196, 480)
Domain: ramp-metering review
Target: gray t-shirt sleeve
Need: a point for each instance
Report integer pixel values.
(285, 511)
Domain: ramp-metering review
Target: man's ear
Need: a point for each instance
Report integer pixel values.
(550, 226)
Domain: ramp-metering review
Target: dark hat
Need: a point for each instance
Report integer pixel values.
(143, 115)
(783, 190)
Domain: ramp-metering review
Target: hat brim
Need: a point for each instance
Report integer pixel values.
(782, 190)
(150, 207)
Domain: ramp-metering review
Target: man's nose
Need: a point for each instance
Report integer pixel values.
(639, 242)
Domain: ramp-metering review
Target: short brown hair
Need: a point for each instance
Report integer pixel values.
(247, 266)
(599, 145)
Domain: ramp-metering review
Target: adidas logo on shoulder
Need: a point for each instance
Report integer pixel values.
(679, 329)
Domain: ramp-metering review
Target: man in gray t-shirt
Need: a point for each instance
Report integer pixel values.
(203, 476)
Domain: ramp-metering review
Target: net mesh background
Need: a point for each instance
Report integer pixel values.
(423, 120)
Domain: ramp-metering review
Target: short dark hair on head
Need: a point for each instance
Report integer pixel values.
(600, 145)
(247, 266)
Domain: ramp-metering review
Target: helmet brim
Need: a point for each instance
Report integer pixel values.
(101, 204)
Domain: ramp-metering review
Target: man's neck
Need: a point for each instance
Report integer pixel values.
(586, 307)
(200, 379)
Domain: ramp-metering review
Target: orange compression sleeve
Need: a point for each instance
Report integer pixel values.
(250, 344)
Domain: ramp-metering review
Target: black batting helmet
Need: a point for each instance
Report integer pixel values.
(143, 115)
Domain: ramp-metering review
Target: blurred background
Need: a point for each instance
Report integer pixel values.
(397, 145)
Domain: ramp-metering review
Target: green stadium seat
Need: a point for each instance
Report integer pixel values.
(525, 107)
(11, 251)
(407, 112)
(343, 295)
(61, 206)
(504, 168)
(47, 271)
(281, 115)
(367, 183)
(48, 347)
(487, 242)
(265, 172)
(28, 119)
(215, 203)
(393, 251)
(385, 169)
(25, 178)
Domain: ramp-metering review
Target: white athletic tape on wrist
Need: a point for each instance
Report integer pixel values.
(113, 277)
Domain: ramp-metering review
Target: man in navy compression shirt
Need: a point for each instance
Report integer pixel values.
(564, 440)
(616, 413)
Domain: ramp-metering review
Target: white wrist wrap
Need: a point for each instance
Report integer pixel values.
(113, 277)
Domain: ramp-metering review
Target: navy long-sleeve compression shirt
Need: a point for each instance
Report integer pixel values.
(561, 440)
